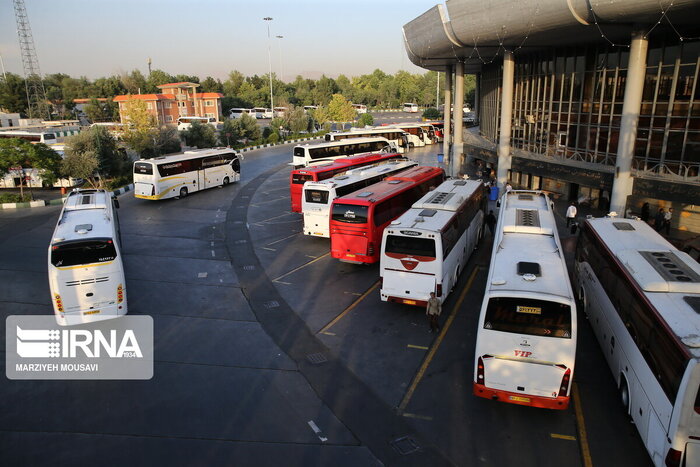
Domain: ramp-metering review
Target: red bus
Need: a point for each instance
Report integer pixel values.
(358, 219)
(324, 171)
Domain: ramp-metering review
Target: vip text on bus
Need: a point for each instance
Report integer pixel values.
(358, 220)
(526, 336)
(427, 248)
(178, 175)
(86, 276)
(642, 298)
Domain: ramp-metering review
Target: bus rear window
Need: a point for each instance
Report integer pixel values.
(414, 246)
(299, 179)
(299, 152)
(143, 168)
(350, 213)
(83, 252)
(316, 196)
(529, 316)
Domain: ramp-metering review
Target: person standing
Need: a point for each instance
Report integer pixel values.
(571, 214)
(645, 212)
(659, 220)
(432, 311)
(667, 221)
(509, 187)
(490, 220)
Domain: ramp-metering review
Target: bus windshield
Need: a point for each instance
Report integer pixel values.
(316, 196)
(410, 246)
(528, 316)
(144, 168)
(299, 179)
(350, 213)
(83, 252)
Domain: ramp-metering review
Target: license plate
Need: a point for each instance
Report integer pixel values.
(91, 312)
(519, 399)
(318, 234)
(350, 255)
(409, 302)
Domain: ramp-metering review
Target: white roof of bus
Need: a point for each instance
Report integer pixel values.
(372, 130)
(84, 207)
(667, 296)
(360, 173)
(441, 204)
(181, 156)
(343, 142)
(536, 243)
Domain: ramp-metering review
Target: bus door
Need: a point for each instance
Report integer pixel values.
(211, 173)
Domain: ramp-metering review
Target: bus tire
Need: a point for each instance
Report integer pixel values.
(625, 394)
(225, 182)
(183, 192)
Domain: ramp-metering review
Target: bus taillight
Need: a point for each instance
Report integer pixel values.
(480, 371)
(438, 290)
(59, 303)
(565, 383)
(120, 293)
(370, 249)
(673, 458)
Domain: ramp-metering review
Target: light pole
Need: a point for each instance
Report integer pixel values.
(280, 47)
(269, 61)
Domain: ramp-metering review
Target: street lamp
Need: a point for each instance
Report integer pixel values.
(269, 61)
(280, 47)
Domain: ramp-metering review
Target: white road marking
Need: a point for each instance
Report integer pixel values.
(202, 275)
(213, 255)
(317, 430)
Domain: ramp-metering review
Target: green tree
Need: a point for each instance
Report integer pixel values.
(134, 82)
(431, 113)
(98, 144)
(141, 132)
(97, 111)
(211, 85)
(297, 120)
(157, 78)
(340, 109)
(364, 120)
(13, 97)
(248, 128)
(199, 135)
(15, 152)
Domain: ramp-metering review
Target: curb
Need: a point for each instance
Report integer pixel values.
(57, 202)
(269, 145)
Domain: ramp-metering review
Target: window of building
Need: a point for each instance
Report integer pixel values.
(168, 119)
(209, 103)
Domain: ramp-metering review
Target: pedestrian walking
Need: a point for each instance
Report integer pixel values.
(432, 311)
(571, 214)
(645, 212)
(509, 187)
(659, 220)
(490, 221)
(667, 221)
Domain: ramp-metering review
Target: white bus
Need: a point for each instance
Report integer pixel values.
(86, 276)
(419, 134)
(178, 175)
(317, 197)
(306, 155)
(261, 112)
(360, 108)
(410, 107)
(427, 248)
(642, 298)
(526, 337)
(183, 123)
(238, 112)
(397, 137)
(33, 136)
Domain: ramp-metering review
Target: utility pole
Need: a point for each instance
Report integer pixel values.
(269, 60)
(36, 94)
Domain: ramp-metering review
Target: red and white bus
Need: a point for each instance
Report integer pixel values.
(526, 337)
(642, 298)
(427, 248)
(358, 219)
(324, 171)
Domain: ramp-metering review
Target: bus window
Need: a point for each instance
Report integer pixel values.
(316, 196)
(83, 252)
(414, 246)
(143, 168)
(350, 213)
(527, 316)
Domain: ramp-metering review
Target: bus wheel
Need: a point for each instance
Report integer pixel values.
(625, 395)
(183, 192)
(225, 181)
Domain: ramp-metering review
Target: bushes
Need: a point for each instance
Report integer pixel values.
(431, 114)
(364, 120)
(13, 198)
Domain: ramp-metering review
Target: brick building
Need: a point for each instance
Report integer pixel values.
(177, 100)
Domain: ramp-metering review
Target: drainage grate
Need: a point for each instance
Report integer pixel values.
(271, 304)
(249, 267)
(405, 445)
(316, 358)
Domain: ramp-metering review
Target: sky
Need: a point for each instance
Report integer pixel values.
(96, 38)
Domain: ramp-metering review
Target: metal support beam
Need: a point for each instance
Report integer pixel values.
(447, 134)
(504, 157)
(458, 116)
(477, 96)
(634, 86)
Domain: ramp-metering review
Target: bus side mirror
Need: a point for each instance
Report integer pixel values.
(116, 202)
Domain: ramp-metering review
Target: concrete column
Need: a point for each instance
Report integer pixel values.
(634, 87)
(504, 157)
(477, 96)
(447, 138)
(458, 116)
